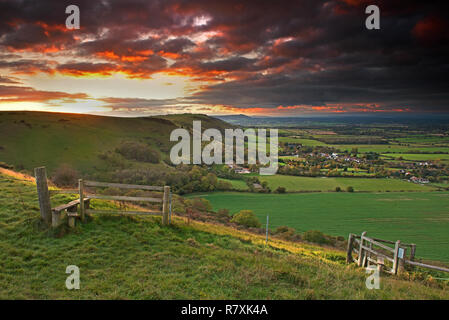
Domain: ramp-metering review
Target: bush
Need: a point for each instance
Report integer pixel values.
(133, 150)
(350, 189)
(224, 185)
(315, 236)
(223, 212)
(199, 204)
(285, 232)
(6, 166)
(280, 189)
(337, 189)
(246, 218)
(65, 176)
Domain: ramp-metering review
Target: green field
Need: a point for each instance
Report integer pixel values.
(390, 148)
(236, 184)
(295, 183)
(422, 145)
(418, 157)
(421, 218)
(432, 139)
(305, 142)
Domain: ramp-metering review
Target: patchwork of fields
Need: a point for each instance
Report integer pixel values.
(421, 218)
(325, 184)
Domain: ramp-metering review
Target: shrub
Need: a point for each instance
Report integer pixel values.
(337, 189)
(65, 176)
(246, 218)
(200, 204)
(223, 212)
(285, 232)
(6, 166)
(224, 185)
(133, 150)
(315, 236)
(280, 189)
(350, 189)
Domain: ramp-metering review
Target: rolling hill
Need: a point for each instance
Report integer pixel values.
(31, 139)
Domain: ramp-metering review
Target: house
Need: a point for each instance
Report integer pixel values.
(418, 180)
(242, 170)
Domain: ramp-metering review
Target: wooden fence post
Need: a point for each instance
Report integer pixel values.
(165, 205)
(412, 252)
(56, 219)
(349, 258)
(81, 191)
(360, 260)
(395, 259)
(43, 194)
(380, 263)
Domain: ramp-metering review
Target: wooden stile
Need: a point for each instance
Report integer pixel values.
(53, 216)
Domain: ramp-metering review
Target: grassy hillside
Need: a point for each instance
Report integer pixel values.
(420, 218)
(137, 258)
(31, 139)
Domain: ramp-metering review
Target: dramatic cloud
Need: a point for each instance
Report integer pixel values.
(264, 56)
(11, 94)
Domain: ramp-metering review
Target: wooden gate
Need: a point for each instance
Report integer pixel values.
(389, 256)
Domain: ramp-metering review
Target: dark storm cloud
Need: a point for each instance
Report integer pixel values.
(259, 53)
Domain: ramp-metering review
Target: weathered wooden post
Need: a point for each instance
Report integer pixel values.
(395, 259)
(412, 251)
(380, 263)
(360, 260)
(165, 205)
(170, 208)
(349, 258)
(56, 219)
(43, 194)
(81, 191)
(368, 256)
(71, 212)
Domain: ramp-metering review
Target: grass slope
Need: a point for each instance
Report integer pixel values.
(420, 218)
(137, 258)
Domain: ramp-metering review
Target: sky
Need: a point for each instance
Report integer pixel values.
(266, 58)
